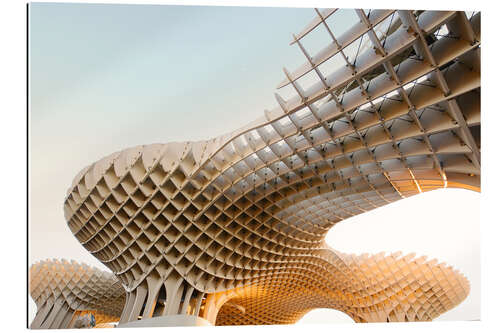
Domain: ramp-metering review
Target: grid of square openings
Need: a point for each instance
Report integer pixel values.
(381, 288)
(78, 287)
(399, 119)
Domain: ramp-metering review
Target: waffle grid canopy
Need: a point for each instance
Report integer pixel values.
(374, 288)
(232, 229)
(66, 291)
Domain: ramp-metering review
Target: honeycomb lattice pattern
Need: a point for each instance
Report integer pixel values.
(64, 291)
(179, 222)
(376, 289)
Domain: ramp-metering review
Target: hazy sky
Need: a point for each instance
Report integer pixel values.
(107, 77)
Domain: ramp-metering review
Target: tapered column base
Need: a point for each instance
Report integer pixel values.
(168, 321)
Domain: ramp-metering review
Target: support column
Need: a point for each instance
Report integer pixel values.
(140, 297)
(129, 303)
(60, 316)
(53, 313)
(67, 319)
(181, 308)
(41, 315)
(154, 286)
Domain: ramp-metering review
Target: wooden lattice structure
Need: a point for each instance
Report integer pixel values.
(235, 225)
(66, 291)
(368, 288)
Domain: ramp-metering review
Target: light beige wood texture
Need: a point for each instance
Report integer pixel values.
(179, 223)
(368, 288)
(65, 291)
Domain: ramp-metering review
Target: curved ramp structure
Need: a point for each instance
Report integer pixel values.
(68, 294)
(187, 226)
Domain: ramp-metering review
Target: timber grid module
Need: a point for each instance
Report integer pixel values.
(66, 291)
(232, 229)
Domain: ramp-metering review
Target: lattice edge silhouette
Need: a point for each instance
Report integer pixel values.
(179, 223)
(65, 290)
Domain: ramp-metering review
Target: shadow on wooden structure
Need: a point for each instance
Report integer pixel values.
(232, 229)
(72, 295)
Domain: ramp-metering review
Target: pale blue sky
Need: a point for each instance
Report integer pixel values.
(95, 63)
(107, 77)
